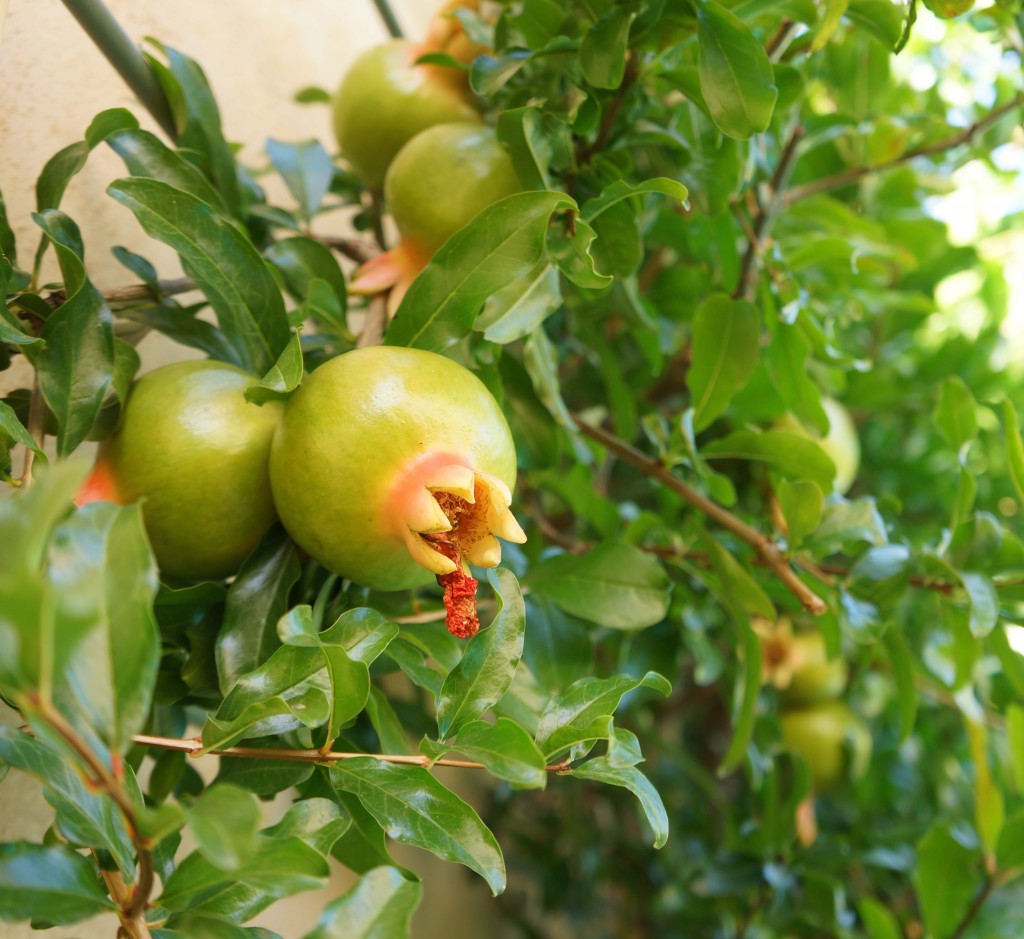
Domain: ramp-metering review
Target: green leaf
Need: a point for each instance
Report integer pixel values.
(792, 455)
(786, 359)
(76, 365)
(83, 816)
(879, 921)
(145, 154)
(1014, 449)
(522, 132)
(845, 523)
(736, 76)
(306, 706)
(386, 723)
(742, 591)
(569, 244)
(380, 906)
(318, 822)
(945, 878)
(51, 884)
(902, 663)
(363, 633)
(834, 10)
(989, 807)
(984, 602)
(540, 357)
(306, 169)
(726, 338)
(601, 770)
(504, 747)
(224, 821)
(283, 378)
(802, 503)
(746, 702)
(302, 262)
(256, 600)
(12, 433)
(414, 808)
(878, 18)
(1015, 739)
(197, 119)
(582, 712)
(518, 309)
(604, 46)
(956, 412)
(624, 189)
(223, 263)
(559, 650)
(504, 242)
(102, 580)
(485, 671)
(614, 585)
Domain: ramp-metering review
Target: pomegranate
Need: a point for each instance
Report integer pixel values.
(392, 466)
(439, 182)
(192, 447)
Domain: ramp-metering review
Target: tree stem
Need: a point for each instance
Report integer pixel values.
(388, 16)
(766, 549)
(124, 55)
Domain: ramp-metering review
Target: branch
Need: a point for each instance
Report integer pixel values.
(974, 909)
(762, 224)
(388, 16)
(194, 747)
(355, 249)
(124, 55)
(766, 549)
(797, 193)
(376, 322)
(132, 913)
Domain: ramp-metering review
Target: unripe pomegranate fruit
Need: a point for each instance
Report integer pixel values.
(815, 676)
(840, 443)
(196, 452)
(385, 99)
(392, 466)
(439, 182)
(833, 740)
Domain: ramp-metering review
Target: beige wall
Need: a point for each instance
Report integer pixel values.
(257, 54)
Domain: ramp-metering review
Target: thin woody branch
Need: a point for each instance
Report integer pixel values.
(766, 549)
(798, 193)
(194, 747)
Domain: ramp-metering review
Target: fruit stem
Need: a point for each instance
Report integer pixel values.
(101, 27)
(388, 16)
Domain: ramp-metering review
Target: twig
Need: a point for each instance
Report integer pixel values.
(126, 58)
(762, 224)
(355, 249)
(36, 429)
(194, 747)
(975, 908)
(797, 193)
(766, 549)
(390, 21)
(375, 323)
(164, 288)
(132, 914)
(604, 131)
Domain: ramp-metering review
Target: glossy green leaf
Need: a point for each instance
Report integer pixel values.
(318, 822)
(221, 260)
(956, 412)
(614, 585)
(283, 378)
(522, 132)
(736, 77)
(802, 503)
(879, 921)
(623, 189)
(13, 433)
(306, 169)
(571, 245)
(53, 884)
(504, 747)
(726, 338)
(83, 816)
(485, 671)
(386, 723)
(540, 357)
(601, 770)
(559, 650)
(256, 600)
(224, 822)
(380, 906)
(741, 589)
(414, 808)
(604, 46)
(362, 632)
(103, 581)
(792, 455)
(1014, 449)
(902, 661)
(786, 358)
(946, 878)
(519, 308)
(502, 243)
(307, 705)
(585, 706)
(145, 154)
(984, 602)
(76, 366)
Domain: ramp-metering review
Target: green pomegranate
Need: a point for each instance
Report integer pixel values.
(196, 452)
(833, 740)
(385, 99)
(439, 182)
(392, 466)
(815, 677)
(840, 443)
